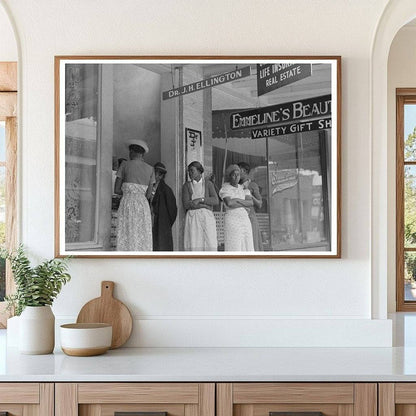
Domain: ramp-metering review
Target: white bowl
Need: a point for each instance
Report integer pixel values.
(84, 340)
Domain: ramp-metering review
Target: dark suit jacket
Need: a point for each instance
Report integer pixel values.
(164, 211)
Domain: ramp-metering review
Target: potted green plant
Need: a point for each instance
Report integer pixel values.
(36, 289)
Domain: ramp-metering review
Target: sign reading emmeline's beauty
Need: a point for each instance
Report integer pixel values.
(296, 110)
(273, 76)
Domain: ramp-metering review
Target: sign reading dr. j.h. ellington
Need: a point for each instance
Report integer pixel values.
(207, 83)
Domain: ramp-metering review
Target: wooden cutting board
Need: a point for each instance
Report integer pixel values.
(107, 309)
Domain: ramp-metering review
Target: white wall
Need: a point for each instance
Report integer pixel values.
(8, 46)
(401, 74)
(224, 301)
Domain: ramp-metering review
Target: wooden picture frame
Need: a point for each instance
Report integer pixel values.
(278, 117)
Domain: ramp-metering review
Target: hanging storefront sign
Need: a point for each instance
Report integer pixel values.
(193, 145)
(207, 83)
(273, 76)
(300, 127)
(311, 108)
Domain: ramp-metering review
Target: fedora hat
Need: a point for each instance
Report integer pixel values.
(138, 142)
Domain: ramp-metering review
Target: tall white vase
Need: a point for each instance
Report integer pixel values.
(13, 332)
(37, 330)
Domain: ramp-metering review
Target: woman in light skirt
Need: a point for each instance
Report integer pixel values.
(238, 233)
(198, 199)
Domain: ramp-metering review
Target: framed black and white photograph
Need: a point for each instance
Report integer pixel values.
(198, 156)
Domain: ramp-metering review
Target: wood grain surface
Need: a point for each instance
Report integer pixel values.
(107, 309)
(386, 399)
(8, 76)
(252, 393)
(110, 393)
(27, 393)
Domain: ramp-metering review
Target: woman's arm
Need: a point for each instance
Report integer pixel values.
(212, 198)
(237, 202)
(149, 189)
(119, 179)
(255, 192)
(187, 198)
(117, 186)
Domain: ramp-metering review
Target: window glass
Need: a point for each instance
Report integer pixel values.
(2, 206)
(409, 206)
(298, 191)
(410, 132)
(409, 196)
(81, 109)
(409, 276)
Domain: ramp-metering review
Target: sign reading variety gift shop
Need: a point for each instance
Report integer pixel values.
(286, 118)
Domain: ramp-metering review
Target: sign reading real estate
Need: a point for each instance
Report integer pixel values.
(273, 76)
(290, 128)
(284, 113)
(207, 83)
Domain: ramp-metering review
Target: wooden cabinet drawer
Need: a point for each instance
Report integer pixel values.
(105, 399)
(22, 399)
(397, 399)
(262, 399)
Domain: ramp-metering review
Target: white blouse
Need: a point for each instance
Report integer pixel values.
(233, 192)
(198, 189)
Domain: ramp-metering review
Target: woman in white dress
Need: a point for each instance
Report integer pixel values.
(198, 199)
(238, 234)
(134, 178)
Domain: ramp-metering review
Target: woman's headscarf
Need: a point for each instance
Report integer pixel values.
(230, 170)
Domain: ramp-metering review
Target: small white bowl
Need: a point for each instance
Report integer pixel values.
(83, 340)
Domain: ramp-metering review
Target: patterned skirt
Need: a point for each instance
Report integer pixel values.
(134, 227)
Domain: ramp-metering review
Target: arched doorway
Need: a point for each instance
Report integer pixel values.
(396, 14)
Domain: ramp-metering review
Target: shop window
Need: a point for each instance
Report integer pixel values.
(293, 175)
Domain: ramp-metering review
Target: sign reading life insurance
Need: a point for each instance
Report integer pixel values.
(207, 83)
(273, 76)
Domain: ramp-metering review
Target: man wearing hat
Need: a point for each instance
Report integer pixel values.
(164, 209)
(134, 181)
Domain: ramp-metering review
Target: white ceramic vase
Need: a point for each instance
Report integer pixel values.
(13, 331)
(37, 330)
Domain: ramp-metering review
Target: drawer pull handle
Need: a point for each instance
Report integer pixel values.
(139, 414)
(296, 414)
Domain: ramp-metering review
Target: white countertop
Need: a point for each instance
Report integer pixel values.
(222, 364)
(213, 364)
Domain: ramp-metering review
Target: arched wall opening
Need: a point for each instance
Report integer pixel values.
(401, 75)
(396, 14)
